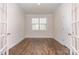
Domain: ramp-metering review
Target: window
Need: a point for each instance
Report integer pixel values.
(39, 23)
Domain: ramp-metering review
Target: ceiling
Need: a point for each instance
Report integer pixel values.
(43, 8)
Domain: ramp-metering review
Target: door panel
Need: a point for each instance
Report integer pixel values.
(3, 28)
(75, 29)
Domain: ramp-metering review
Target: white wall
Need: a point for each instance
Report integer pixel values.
(58, 26)
(39, 34)
(15, 23)
(62, 24)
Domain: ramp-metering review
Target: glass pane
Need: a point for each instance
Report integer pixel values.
(0, 13)
(42, 27)
(1, 28)
(74, 13)
(42, 20)
(4, 31)
(73, 42)
(78, 28)
(35, 27)
(1, 5)
(35, 20)
(78, 44)
(73, 28)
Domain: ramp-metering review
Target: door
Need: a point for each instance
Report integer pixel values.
(3, 29)
(75, 29)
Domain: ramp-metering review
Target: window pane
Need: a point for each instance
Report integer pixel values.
(35, 21)
(35, 27)
(42, 27)
(42, 20)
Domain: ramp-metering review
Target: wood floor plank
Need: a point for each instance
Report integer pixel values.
(39, 46)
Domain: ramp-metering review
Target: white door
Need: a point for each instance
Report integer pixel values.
(3, 28)
(75, 29)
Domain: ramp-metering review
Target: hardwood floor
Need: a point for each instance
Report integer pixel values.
(39, 46)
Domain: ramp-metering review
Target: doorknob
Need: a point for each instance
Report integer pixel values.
(69, 34)
(8, 33)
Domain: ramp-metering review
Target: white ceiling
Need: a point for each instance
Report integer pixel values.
(43, 8)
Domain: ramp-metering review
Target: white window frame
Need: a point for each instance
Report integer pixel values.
(39, 24)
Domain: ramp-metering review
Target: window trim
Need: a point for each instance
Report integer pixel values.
(40, 24)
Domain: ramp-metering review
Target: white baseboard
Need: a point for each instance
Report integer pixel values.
(9, 47)
(59, 41)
